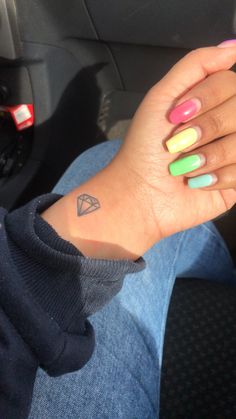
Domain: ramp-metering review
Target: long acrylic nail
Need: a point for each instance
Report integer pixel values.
(183, 139)
(202, 181)
(184, 111)
(227, 44)
(187, 164)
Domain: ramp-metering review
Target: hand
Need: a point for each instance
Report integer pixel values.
(168, 201)
(141, 201)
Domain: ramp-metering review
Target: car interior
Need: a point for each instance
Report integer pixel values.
(72, 75)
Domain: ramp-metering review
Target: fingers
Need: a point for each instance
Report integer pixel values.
(209, 109)
(217, 122)
(224, 178)
(213, 156)
(206, 95)
(195, 67)
(213, 165)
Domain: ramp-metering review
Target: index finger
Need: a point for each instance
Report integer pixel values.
(211, 92)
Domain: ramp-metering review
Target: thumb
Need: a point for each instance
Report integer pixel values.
(195, 67)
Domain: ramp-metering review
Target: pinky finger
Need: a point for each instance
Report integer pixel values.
(224, 178)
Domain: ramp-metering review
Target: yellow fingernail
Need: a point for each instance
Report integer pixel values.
(183, 139)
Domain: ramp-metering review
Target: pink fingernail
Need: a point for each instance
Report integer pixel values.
(228, 43)
(184, 111)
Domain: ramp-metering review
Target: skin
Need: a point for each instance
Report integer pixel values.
(217, 123)
(140, 202)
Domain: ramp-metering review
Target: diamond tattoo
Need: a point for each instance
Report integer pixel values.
(87, 204)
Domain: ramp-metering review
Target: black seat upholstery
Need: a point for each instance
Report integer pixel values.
(199, 365)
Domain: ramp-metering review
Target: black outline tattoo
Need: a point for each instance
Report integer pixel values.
(87, 204)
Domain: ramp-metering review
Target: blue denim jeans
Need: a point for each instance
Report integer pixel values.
(122, 380)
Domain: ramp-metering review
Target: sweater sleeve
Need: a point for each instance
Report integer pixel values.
(47, 291)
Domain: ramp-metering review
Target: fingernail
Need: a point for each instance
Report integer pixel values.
(183, 139)
(202, 181)
(228, 43)
(184, 111)
(187, 164)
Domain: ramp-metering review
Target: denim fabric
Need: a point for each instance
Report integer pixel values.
(122, 379)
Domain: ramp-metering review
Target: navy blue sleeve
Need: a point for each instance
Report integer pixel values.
(47, 291)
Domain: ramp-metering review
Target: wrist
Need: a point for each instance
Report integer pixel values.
(122, 227)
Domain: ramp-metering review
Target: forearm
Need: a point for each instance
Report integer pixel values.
(119, 228)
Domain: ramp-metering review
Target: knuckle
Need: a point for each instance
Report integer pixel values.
(195, 53)
(214, 124)
(230, 178)
(221, 151)
(226, 76)
(190, 53)
(209, 92)
(228, 175)
(231, 75)
(199, 51)
(213, 91)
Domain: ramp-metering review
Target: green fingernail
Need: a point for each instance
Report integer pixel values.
(202, 181)
(186, 165)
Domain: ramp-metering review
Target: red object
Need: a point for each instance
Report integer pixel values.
(184, 111)
(23, 115)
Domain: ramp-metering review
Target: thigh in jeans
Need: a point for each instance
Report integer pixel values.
(122, 378)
